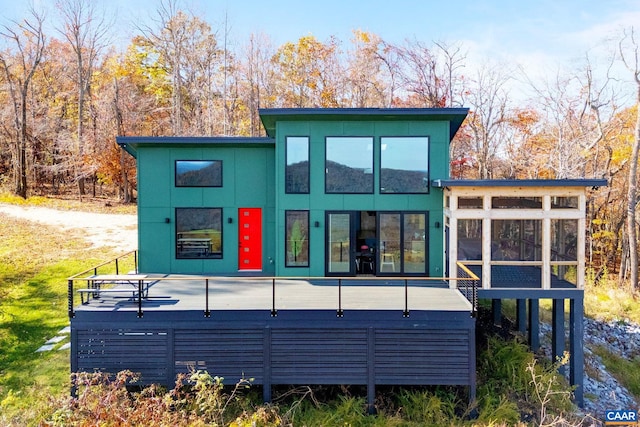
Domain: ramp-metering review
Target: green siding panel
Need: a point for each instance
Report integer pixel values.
(248, 175)
(253, 176)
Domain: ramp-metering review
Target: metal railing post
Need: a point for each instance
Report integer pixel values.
(274, 312)
(140, 285)
(70, 298)
(340, 312)
(405, 313)
(207, 313)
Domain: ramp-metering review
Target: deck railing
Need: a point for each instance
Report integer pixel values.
(466, 282)
(127, 260)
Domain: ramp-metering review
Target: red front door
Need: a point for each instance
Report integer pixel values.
(250, 239)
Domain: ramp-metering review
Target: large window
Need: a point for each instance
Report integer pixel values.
(198, 233)
(297, 238)
(198, 173)
(349, 165)
(404, 164)
(297, 170)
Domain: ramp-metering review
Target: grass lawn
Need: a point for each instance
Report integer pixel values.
(35, 260)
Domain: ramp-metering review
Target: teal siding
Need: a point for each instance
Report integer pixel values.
(253, 177)
(248, 181)
(317, 202)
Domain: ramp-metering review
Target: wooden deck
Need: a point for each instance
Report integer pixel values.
(283, 331)
(233, 293)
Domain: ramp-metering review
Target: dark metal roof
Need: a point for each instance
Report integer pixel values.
(577, 182)
(270, 116)
(131, 143)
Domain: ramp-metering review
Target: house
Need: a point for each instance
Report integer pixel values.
(336, 250)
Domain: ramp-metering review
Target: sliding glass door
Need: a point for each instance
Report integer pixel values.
(403, 243)
(378, 243)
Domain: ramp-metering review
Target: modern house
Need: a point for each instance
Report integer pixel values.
(336, 250)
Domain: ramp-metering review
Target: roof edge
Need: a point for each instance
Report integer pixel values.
(568, 182)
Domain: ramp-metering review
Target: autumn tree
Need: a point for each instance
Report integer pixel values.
(258, 80)
(185, 47)
(19, 67)
(86, 32)
(308, 71)
(630, 54)
(430, 74)
(488, 117)
(366, 82)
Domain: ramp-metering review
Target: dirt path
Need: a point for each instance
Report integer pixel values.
(115, 230)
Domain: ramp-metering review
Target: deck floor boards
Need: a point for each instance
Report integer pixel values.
(177, 292)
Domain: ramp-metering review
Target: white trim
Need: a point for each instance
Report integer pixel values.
(544, 214)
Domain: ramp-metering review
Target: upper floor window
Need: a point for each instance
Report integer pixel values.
(297, 160)
(198, 173)
(349, 165)
(404, 164)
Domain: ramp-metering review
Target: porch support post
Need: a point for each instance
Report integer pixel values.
(576, 342)
(534, 324)
(472, 365)
(521, 313)
(496, 309)
(557, 332)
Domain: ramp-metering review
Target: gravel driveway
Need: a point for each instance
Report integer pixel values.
(114, 230)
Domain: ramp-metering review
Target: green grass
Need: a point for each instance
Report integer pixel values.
(34, 265)
(627, 372)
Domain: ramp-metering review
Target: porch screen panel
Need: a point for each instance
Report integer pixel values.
(470, 239)
(516, 240)
(339, 243)
(414, 254)
(564, 250)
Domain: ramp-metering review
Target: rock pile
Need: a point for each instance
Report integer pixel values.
(601, 390)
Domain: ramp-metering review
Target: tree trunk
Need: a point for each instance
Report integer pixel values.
(632, 201)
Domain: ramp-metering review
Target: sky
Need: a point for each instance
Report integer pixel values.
(539, 35)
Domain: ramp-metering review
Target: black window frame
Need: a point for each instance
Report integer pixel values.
(286, 238)
(212, 161)
(373, 162)
(199, 251)
(380, 170)
(287, 189)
